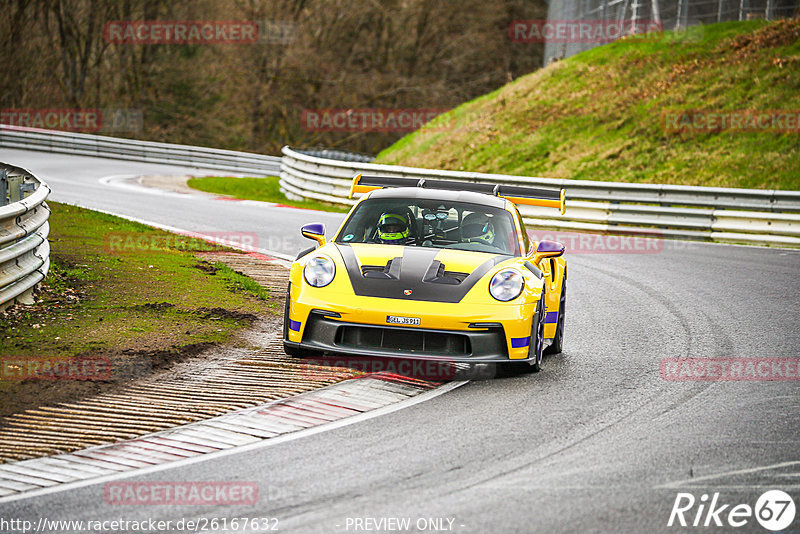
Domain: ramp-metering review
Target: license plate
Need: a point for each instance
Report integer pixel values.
(393, 319)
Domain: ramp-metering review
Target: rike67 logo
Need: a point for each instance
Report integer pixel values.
(774, 510)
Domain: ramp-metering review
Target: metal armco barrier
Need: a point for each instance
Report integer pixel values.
(133, 150)
(341, 155)
(754, 216)
(24, 249)
(674, 211)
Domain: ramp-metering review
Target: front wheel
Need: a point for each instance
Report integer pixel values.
(537, 337)
(290, 350)
(558, 340)
(535, 348)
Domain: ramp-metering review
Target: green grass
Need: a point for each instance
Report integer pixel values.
(239, 282)
(263, 189)
(142, 306)
(599, 115)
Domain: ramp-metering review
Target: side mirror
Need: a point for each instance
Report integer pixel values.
(315, 231)
(547, 249)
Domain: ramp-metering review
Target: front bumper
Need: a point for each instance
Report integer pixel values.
(491, 333)
(325, 334)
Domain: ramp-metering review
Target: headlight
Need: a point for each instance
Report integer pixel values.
(506, 285)
(319, 271)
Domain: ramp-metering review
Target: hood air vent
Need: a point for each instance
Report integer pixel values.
(390, 271)
(437, 274)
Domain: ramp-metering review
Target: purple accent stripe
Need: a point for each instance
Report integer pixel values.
(551, 317)
(294, 325)
(520, 342)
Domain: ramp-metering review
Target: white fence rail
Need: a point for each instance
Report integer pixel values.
(673, 211)
(24, 249)
(133, 150)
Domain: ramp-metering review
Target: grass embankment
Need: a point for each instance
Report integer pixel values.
(129, 294)
(600, 115)
(263, 189)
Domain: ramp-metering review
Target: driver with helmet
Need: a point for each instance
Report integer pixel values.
(392, 229)
(476, 228)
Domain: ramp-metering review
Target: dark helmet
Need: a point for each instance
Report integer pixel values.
(476, 227)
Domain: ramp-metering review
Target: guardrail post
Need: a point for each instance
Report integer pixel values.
(26, 187)
(3, 187)
(14, 189)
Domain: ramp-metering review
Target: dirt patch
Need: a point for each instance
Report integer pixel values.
(206, 268)
(221, 313)
(155, 306)
(159, 360)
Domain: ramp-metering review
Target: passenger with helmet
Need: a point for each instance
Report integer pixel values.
(476, 228)
(393, 229)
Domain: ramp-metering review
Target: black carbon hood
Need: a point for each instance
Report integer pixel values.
(414, 273)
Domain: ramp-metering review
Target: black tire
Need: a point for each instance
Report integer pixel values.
(536, 348)
(558, 340)
(290, 350)
(512, 368)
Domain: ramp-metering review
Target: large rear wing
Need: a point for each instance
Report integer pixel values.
(549, 198)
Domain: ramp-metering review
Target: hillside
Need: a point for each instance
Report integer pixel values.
(610, 114)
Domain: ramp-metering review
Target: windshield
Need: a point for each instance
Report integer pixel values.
(431, 223)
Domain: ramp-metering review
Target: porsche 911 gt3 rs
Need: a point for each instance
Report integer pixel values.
(430, 269)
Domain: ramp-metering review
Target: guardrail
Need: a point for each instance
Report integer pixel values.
(673, 211)
(333, 153)
(133, 150)
(681, 212)
(24, 249)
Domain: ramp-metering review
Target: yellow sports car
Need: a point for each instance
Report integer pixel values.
(430, 269)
